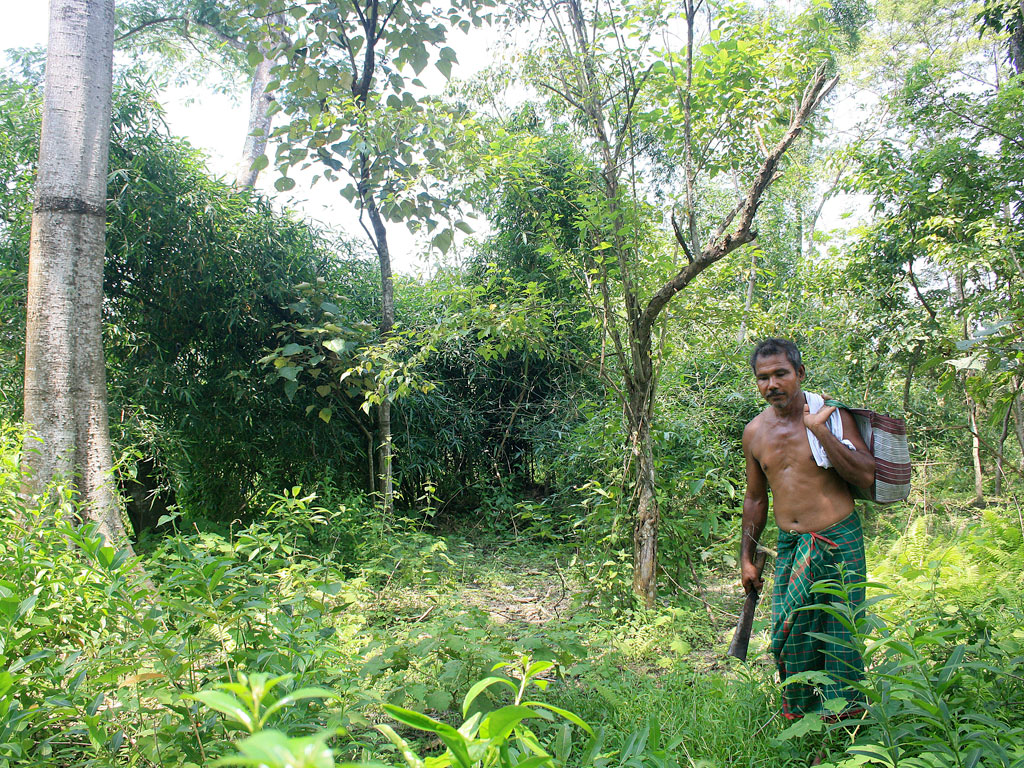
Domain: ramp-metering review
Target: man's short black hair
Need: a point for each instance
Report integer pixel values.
(773, 346)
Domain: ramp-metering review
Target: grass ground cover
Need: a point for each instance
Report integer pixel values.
(283, 638)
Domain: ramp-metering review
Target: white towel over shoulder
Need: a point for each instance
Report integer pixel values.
(835, 426)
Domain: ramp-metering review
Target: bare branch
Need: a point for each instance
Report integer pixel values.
(564, 96)
(681, 238)
(225, 38)
(917, 290)
(817, 89)
(147, 24)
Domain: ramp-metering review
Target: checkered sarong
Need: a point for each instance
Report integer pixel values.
(805, 558)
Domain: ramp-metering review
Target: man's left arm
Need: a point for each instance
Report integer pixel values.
(854, 466)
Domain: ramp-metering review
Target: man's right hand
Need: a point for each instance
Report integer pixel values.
(750, 577)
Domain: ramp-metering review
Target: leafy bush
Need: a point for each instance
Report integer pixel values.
(936, 693)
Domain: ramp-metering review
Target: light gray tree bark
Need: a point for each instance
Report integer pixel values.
(65, 379)
(260, 99)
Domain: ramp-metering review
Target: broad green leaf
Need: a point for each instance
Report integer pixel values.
(415, 719)
(226, 704)
(438, 700)
(533, 762)
(443, 240)
(570, 716)
(482, 685)
(803, 726)
(454, 740)
(339, 346)
(539, 668)
(310, 692)
(274, 749)
(499, 723)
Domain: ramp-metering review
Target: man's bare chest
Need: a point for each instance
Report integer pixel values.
(783, 447)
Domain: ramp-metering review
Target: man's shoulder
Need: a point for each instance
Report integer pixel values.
(754, 426)
(755, 423)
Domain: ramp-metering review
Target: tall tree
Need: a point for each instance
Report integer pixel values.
(699, 106)
(192, 38)
(65, 378)
(352, 109)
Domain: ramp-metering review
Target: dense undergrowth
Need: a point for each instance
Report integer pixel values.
(321, 633)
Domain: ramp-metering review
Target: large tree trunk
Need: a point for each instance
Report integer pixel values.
(1015, 43)
(259, 125)
(65, 379)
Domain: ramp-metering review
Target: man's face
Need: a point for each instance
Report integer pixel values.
(777, 380)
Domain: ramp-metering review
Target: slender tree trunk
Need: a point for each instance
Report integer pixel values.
(362, 81)
(751, 285)
(979, 479)
(691, 171)
(1018, 420)
(915, 357)
(647, 516)
(260, 99)
(65, 378)
(1004, 432)
(387, 322)
(972, 406)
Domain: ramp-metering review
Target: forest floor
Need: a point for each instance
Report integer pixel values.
(523, 587)
(475, 601)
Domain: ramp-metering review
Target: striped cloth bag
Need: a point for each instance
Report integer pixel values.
(886, 438)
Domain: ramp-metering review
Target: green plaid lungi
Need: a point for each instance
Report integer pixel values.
(804, 558)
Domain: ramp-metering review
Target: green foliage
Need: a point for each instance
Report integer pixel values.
(936, 693)
(745, 76)
(359, 119)
(188, 42)
(270, 627)
(500, 737)
(19, 146)
(197, 278)
(971, 563)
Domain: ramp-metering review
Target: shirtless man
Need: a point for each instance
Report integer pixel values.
(819, 530)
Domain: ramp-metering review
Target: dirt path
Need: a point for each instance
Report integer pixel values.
(519, 583)
(511, 583)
